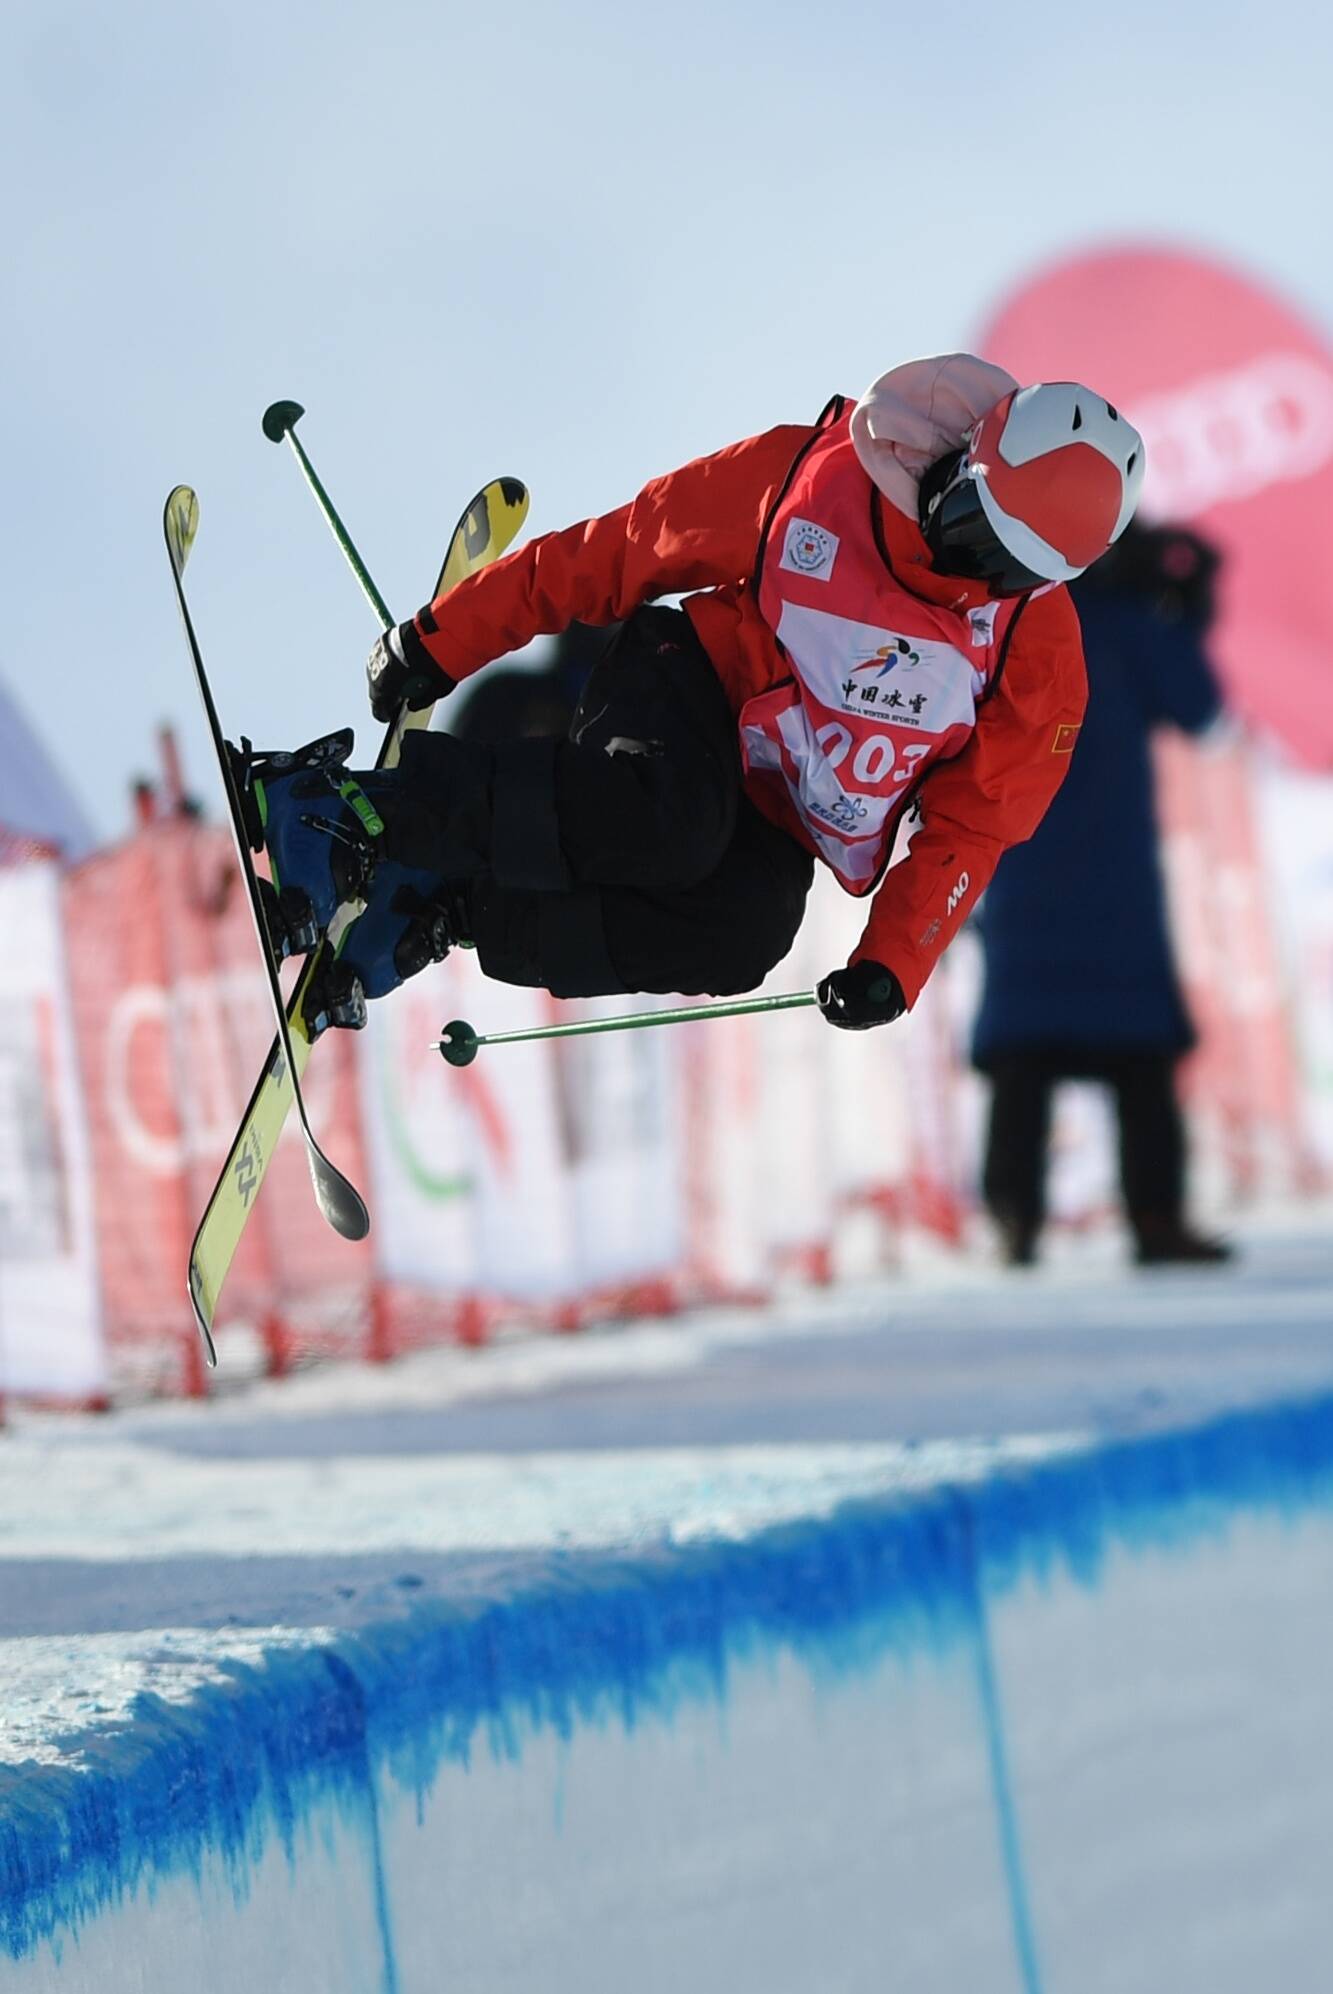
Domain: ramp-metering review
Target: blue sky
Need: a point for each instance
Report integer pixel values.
(579, 245)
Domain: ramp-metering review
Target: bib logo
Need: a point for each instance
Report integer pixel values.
(844, 815)
(809, 550)
(858, 692)
(896, 651)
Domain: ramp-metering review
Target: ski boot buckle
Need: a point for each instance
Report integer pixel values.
(336, 998)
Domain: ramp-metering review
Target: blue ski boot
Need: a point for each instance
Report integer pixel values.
(323, 830)
(413, 918)
(319, 828)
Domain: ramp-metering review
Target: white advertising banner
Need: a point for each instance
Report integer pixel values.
(799, 1134)
(1297, 829)
(793, 1125)
(864, 1078)
(723, 1073)
(618, 1107)
(51, 1343)
(470, 1193)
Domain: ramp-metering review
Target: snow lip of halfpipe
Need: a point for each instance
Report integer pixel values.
(546, 1644)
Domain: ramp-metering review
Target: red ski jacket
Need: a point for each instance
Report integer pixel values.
(700, 529)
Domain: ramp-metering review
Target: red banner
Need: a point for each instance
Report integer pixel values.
(1234, 395)
(1243, 1083)
(173, 1024)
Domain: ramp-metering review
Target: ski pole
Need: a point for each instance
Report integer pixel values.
(280, 420)
(459, 1044)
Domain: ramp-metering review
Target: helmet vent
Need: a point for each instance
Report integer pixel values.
(1112, 413)
(1133, 460)
(1078, 417)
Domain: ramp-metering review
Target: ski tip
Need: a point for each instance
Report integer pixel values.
(201, 1320)
(340, 1202)
(279, 417)
(180, 522)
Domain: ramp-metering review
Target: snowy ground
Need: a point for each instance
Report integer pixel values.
(144, 1550)
(355, 1681)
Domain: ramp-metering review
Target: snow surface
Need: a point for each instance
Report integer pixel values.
(341, 1494)
(668, 1547)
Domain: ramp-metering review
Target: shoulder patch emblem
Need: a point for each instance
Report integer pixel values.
(809, 550)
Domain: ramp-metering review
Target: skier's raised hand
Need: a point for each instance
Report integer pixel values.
(862, 995)
(401, 672)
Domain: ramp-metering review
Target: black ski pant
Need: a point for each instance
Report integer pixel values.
(627, 856)
(1151, 1130)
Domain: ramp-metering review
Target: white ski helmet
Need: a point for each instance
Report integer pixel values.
(1048, 480)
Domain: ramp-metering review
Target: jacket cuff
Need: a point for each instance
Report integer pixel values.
(418, 655)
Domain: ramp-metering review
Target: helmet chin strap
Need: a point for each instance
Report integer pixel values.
(939, 478)
(937, 481)
(962, 543)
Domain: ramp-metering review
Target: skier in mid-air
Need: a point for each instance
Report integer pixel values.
(874, 631)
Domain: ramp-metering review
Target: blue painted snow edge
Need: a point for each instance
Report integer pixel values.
(597, 1639)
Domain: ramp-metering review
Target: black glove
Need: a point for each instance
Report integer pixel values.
(400, 672)
(860, 996)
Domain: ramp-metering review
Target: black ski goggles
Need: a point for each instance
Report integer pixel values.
(961, 539)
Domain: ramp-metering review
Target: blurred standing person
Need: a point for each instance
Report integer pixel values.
(1080, 978)
(518, 702)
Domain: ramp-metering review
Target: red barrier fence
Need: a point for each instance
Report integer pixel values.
(554, 1183)
(172, 1024)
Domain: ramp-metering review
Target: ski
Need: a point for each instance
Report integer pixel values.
(488, 525)
(338, 1199)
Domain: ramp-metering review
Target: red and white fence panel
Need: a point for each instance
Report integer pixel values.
(51, 1309)
(556, 1181)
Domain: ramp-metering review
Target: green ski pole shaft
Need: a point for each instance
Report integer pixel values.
(459, 1044)
(280, 420)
